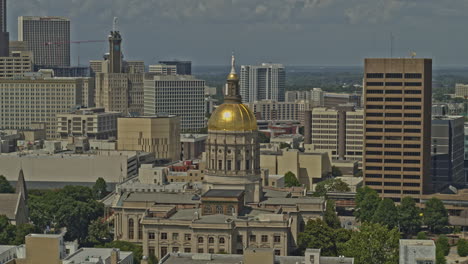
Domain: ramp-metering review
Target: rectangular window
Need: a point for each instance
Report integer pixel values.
(413, 107)
(277, 252)
(413, 84)
(374, 114)
(220, 164)
(229, 164)
(392, 160)
(394, 75)
(247, 164)
(264, 238)
(253, 238)
(392, 176)
(392, 168)
(175, 236)
(369, 145)
(374, 99)
(373, 175)
(164, 236)
(393, 91)
(239, 239)
(374, 183)
(413, 75)
(374, 160)
(412, 115)
(412, 91)
(411, 169)
(393, 107)
(393, 84)
(374, 83)
(163, 251)
(375, 107)
(373, 168)
(175, 249)
(371, 129)
(412, 99)
(277, 239)
(187, 250)
(393, 114)
(200, 250)
(151, 235)
(375, 91)
(375, 75)
(151, 251)
(188, 237)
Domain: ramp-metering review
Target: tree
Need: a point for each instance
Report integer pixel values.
(99, 232)
(435, 215)
(5, 186)
(100, 188)
(330, 217)
(373, 243)
(317, 234)
(126, 246)
(408, 216)
(331, 185)
(7, 231)
(153, 260)
(290, 180)
(462, 248)
(336, 171)
(367, 200)
(386, 213)
(443, 244)
(440, 256)
(421, 235)
(22, 231)
(284, 145)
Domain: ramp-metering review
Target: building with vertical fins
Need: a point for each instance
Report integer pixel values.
(232, 147)
(262, 82)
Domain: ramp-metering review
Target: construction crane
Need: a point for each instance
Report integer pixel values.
(78, 42)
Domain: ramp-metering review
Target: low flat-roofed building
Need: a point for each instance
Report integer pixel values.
(292, 140)
(98, 256)
(253, 256)
(415, 251)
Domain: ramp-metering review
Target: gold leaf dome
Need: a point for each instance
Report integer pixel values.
(232, 117)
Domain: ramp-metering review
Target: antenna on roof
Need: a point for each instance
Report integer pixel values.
(413, 54)
(114, 24)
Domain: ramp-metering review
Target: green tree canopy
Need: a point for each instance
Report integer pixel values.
(367, 200)
(284, 145)
(22, 231)
(317, 234)
(373, 243)
(7, 231)
(290, 180)
(408, 215)
(386, 213)
(126, 246)
(72, 207)
(262, 138)
(443, 244)
(462, 248)
(98, 232)
(435, 215)
(421, 235)
(331, 185)
(336, 171)
(5, 186)
(330, 217)
(100, 188)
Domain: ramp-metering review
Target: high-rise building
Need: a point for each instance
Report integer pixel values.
(232, 147)
(4, 35)
(116, 89)
(163, 69)
(447, 152)
(48, 38)
(338, 131)
(183, 67)
(397, 135)
(38, 98)
(17, 63)
(156, 134)
(461, 90)
(181, 95)
(262, 82)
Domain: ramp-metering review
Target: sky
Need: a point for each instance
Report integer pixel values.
(291, 32)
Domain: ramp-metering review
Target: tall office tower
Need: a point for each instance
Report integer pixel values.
(263, 82)
(338, 130)
(317, 97)
(48, 38)
(268, 110)
(397, 126)
(447, 152)
(4, 35)
(183, 67)
(17, 63)
(181, 95)
(115, 52)
(38, 98)
(163, 69)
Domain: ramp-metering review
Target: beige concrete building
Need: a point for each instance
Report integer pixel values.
(279, 111)
(38, 98)
(397, 126)
(93, 123)
(192, 146)
(163, 69)
(461, 90)
(17, 63)
(309, 167)
(156, 134)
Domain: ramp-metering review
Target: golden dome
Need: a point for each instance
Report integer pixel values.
(232, 76)
(232, 117)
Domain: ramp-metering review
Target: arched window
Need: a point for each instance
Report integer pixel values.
(200, 240)
(219, 209)
(210, 240)
(207, 209)
(221, 240)
(131, 228)
(140, 230)
(231, 209)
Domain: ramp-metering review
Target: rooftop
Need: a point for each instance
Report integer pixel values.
(160, 198)
(4, 248)
(86, 255)
(8, 204)
(416, 242)
(293, 201)
(223, 193)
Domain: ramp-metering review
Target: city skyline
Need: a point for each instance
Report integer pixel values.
(331, 32)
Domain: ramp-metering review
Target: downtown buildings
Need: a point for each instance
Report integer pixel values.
(262, 82)
(397, 126)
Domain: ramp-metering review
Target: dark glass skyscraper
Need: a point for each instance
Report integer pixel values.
(4, 35)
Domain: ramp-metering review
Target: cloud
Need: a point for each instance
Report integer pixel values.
(374, 11)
